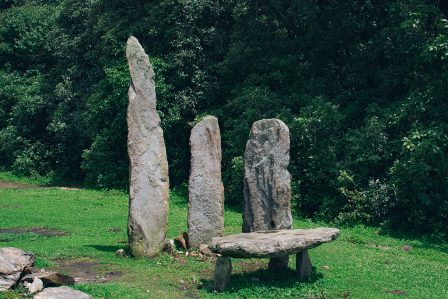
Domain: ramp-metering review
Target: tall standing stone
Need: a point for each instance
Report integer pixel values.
(206, 192)
(149, 183)
(267, 182)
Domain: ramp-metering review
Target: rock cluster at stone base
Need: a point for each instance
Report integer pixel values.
(13, 261)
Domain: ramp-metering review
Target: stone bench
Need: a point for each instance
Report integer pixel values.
(268, 244)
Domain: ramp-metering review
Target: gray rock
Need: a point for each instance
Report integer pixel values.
(204, 250)
(271, 244)
(303, 265)
(62, 292)
(36, 286)
(120, 253)
(206, 191)
(267, 190)
(221, 277)
(13, 261)
(267, 182)
(149, 183)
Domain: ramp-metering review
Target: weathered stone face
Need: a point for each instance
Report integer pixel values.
(206, 192)
(149, 183)
(267, 190)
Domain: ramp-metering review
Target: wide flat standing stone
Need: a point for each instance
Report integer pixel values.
(267, 182)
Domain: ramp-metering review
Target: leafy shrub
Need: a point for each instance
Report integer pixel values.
(314, 139)
(372, 206)
(32, 161)
(420, 175)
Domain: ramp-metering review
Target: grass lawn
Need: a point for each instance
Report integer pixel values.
(360, 264)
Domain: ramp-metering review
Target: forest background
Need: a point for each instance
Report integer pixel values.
(362, 85)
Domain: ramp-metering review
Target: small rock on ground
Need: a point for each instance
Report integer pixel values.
(205, 250)
(36, 286)
(62, 292)
(120, 252)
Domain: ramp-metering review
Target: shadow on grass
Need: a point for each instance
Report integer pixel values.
(263, 278)
(238, 208)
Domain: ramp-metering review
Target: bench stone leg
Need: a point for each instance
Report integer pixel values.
(223, 269)
(278, 264)
(303, 265)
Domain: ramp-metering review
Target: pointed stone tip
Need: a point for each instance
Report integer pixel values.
(132, 40)
(208, 119)
(133, 47)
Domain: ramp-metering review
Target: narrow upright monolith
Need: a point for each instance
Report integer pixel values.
(149, 183)
(267, 182)
(206, 192)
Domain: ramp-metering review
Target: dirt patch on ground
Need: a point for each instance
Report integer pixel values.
(378, 246)
(86, 270)
(69, 188)
(251, 266)
(45, 232)
(13, 185)
(396, 292)
(10, 207)
(114, 229)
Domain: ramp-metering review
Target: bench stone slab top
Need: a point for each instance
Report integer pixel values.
(273, 243)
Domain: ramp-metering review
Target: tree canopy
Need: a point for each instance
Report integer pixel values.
(362, 85)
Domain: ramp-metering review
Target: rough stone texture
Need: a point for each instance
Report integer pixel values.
(303, 265)
(206, 191)
(274, 243)
(62, 292)
(223, 269)
(267, 190)
(13, 261)
(149, 183)
(267, 182)
(205, 251)
(36, 286)
(50, 279)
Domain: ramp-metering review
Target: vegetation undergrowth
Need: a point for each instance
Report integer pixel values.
(361, 264)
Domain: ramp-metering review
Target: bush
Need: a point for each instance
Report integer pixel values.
(371, 206)
(420, 175)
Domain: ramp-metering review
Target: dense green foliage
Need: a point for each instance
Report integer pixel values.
(362, 86)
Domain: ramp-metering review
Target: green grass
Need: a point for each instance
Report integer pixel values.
(360, 264)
